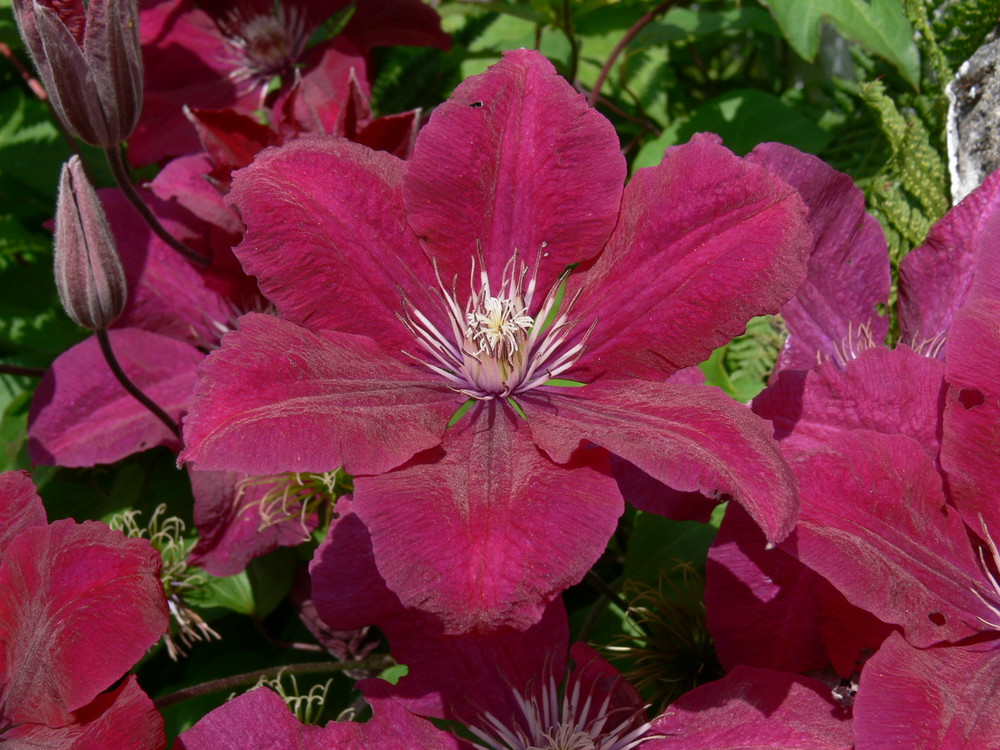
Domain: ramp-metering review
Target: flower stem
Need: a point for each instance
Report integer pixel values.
(646, 18)
(128, 385)
(248, 678)
(117, 164)
(30, 372)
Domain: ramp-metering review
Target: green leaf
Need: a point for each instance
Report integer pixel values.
(461, 412)
(13, 432)
(564, 383)
(657, 543)
(233, 593)
(880, 26)
(394, 674)
(743, 118)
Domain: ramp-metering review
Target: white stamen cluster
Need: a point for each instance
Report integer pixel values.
(497, 347)
(575, 722)
(265, 45)
(991, 576)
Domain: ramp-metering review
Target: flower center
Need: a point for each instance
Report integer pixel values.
(267, 44)
(496, 346)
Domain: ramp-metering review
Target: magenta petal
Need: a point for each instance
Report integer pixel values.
(166, 294)
(487, 535)
(347, 589)
(326, 241)
(848, 275)
(961, 252)
(755, 708)
(277, 397)
(895, 392)
(691, 438)
(257, 720)
(81, 415)
(123, 719)
(79, 605)
(231, 531)
(462, 677)
(705, 241)
(20, 506)
(394, 23)
(761, 604)
(971, 443)
(929, 698)
(515, 160)
(874, 523)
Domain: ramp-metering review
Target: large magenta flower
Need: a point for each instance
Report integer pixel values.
(407, 290)
(79, 606)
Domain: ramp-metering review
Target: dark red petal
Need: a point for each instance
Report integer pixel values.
(515, 160)
(691, 438)
(705, 241)
(486, 535)
(277, 397)
(123, 719)
(79, 605)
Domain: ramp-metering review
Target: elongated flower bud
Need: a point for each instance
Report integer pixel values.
(89, 274)
(89, 59)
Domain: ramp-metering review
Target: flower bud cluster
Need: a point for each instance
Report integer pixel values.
(88, 57)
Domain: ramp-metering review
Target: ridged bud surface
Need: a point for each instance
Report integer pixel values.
(89, 59)
(89, 274)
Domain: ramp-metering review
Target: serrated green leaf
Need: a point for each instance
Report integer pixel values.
(880, 26)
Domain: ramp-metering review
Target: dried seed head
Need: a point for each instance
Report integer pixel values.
(88, 56)
(89, 274)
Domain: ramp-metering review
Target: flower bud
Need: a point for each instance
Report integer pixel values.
(89, 274)
(89, 59)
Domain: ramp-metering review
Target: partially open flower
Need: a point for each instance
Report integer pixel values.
(88, 57)
(89, 273)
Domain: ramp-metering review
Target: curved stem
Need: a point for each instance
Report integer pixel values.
(117, 164)
(622, 44)
(248, 678)
(31, 372)
(128, 385)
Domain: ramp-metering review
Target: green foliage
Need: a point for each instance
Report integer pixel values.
(960, 27)
(878, 25)
(912, 192)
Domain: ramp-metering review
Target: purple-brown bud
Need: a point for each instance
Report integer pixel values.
(89, 274)
(89, 59)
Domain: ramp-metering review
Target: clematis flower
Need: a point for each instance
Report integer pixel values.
(225, 55)
(79, 605)
(416, 294)
(510, 686)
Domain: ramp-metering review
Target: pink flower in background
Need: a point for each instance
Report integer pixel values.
(79, 605)
(224, 55)
(407, 289)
